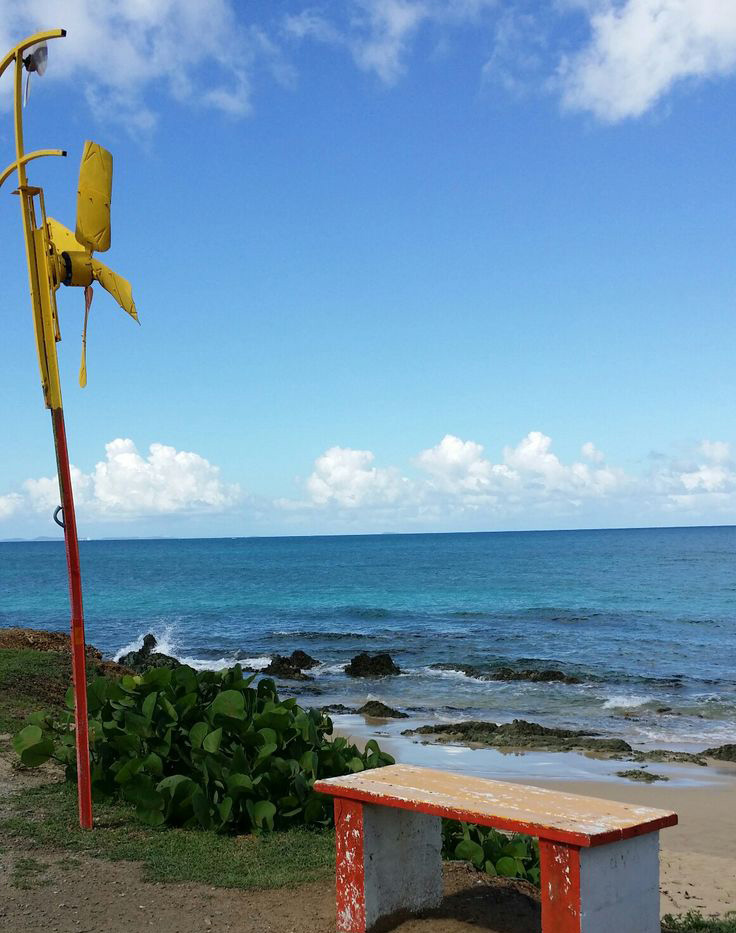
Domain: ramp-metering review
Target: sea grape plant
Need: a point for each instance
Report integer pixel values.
(209, 749)
(490, 851)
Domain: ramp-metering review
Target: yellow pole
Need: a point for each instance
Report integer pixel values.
(43, 306)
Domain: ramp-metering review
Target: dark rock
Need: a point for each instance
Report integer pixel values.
(371, 665)
(663, 754)
(722, 752)
(648, 777)
(548, 675)
(146, 658)
(338, 709)
(282, 666)
(302, 660)
(521, 734)
(663, 709)
(379, 710)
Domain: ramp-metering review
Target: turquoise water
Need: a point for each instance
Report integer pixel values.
(646, 618)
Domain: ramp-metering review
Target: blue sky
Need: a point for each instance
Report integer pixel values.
(400, 265)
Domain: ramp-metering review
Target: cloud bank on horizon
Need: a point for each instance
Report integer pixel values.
(452, 482)
(614, 59)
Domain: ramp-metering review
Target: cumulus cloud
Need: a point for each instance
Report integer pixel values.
(458, 467)
(122, 53)
(9, 505)
(708, 477)
(456, 476)
(128, 485)
(640, 49)
(347, 478)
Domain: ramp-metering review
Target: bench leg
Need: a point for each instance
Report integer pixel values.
(388, 862)
(607, 888)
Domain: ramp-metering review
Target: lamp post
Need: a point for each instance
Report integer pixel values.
(57, 256)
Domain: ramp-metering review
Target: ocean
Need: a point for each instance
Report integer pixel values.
(645, 619)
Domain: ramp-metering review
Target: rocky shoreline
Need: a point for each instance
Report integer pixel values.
(518, 735)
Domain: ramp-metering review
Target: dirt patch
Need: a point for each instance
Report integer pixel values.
(42, 890)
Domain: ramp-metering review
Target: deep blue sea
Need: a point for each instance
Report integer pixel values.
(646, 618)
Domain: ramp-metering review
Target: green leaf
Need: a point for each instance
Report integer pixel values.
(263, 813)
(153, 764)
(202, 809)
(506, 866)
(225, 810)
(239, 784)
(32, 747)
(355, 764)
(158, 677)
(229, 703)
(212, 741)
(197, 733)
(129, 768)
(149, 704)
(516, 850)
(470, 851)
(490, 868)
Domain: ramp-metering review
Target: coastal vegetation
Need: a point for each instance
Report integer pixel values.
(43, 819)
(209, 749)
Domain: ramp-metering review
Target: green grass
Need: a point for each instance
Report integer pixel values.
(695, 922)
(28, 873)
(46, 817)
(30, 680)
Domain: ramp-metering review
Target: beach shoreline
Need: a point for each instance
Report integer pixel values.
(698, 856)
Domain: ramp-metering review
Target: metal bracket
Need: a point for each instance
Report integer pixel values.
(60, 523)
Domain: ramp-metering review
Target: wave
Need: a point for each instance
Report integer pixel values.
(627, 701)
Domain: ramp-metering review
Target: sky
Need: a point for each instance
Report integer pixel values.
(400, 265)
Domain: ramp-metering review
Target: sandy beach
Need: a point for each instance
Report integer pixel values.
(698, 856)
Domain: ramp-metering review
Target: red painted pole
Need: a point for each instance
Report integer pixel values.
(84, 784)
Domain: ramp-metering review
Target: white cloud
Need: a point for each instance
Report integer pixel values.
(713, 472)
(379, 33)
(9, 505)
(128, 485)
(121, 53)
(459, 467)
(640, 49)
(456, 476)
(347, 478)
(591, 452)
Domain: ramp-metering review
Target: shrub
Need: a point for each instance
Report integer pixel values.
(202, 749)
(490, 851)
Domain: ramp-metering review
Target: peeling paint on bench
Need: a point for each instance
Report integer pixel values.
(599, 859)
(561, 817)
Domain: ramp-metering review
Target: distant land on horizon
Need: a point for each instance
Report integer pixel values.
(372, 534)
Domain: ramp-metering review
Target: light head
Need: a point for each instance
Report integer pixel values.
(37, 59)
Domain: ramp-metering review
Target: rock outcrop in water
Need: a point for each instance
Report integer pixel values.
(521, 734)
(722, 752)
(636, 774)
(302, 660)
(546, 675)
(372, 665)
(146, 658)
(379, 710)
(281, 666)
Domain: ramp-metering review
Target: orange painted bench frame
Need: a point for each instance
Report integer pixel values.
(560, 849)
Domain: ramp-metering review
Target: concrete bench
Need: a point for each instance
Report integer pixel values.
(599, 859)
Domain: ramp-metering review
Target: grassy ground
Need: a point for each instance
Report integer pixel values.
(30, 680)
(46, 818)
(694, 922)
